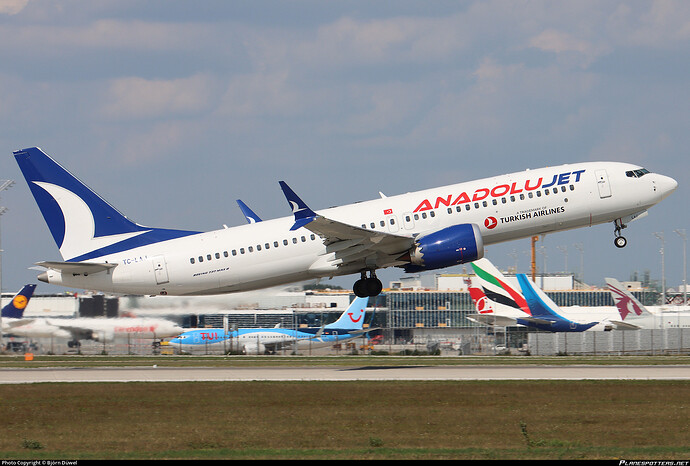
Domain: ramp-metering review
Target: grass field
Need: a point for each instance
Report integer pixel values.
(347, 420)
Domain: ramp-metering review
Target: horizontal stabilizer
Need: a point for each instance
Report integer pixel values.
(78, 267)
(624, 325)
(493, 320)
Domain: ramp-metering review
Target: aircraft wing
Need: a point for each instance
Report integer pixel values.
(77, 267)
(77, 332)
(16, 323)
(348, 244)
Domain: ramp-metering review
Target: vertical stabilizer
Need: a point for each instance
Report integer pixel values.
(15, 308)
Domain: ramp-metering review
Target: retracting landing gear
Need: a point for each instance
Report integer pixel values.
(371, 286)
(619, 240)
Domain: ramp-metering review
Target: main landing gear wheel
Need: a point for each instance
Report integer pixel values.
(619, 240)
(365, 287)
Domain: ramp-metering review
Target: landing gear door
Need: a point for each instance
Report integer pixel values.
(603, 183)
(160, 270)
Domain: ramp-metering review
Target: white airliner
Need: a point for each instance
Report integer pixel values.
(634, 313)
(80, 328)
(425, 230)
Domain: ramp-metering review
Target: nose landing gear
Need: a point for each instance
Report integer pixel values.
(370, 286)
(619, 240)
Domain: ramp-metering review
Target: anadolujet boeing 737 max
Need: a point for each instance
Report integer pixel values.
(424, 230)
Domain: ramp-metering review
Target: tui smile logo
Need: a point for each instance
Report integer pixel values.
(352, 318)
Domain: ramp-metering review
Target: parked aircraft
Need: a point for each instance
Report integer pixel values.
(525, 304)
(12, 312)
(635, 314)
(80, 328)
(270, 340)
(425, 230)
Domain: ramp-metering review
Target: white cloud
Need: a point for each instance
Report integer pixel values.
(12, 7)
(143, 98)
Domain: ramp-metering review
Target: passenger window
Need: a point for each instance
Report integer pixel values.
(476, 205)
(234, 252)
(285, 242)
(522, 197)
(191, 260)
(241, 250)
(208, 256)
(538, 193)
(432, 213)
(503, 200)
(494, 201)
(382, 223)
(258, 247)
(201, 258)
(530, 195)
(275, 244)
(225, 253)
(416, 216)
(217, 255)
(250, 249)
(313, 237)
(267, 246)
(304, 240)
(372, 225)
(512, 198)
(423, 214)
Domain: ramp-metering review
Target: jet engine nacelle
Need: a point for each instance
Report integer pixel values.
(444, 248)
(254, 348)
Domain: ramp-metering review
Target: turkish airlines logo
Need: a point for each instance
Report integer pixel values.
(483, 306)
(490, 223)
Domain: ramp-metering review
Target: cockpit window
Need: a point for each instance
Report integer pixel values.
(637, 173)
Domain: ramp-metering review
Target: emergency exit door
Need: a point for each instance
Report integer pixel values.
(160, 270)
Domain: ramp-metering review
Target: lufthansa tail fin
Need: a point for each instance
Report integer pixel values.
(15, 309)
(84, 226)
(353, 317)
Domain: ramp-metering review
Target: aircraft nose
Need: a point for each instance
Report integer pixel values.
(666, 185)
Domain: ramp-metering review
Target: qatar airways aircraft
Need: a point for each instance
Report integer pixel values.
(424, 230)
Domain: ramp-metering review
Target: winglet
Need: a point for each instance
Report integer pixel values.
(248, 213)
(303, 214)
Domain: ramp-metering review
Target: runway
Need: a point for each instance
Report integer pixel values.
(333, 373)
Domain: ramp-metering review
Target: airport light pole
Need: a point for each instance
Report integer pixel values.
(681, 233)
(660, 235)
(564, 250)
(579, 247)
(5, 184)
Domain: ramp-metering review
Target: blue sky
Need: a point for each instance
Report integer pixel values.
(171, 110)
